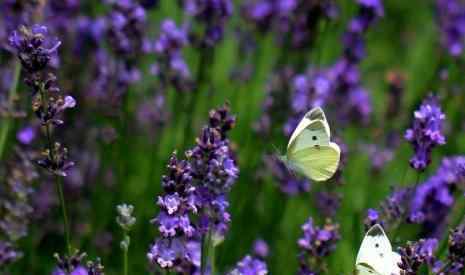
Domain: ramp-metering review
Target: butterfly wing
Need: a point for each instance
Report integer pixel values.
(318, 114)
(318, 163)
(365, 269)
(314, 134)
(298, 130)
(315, 114)
(376, 252)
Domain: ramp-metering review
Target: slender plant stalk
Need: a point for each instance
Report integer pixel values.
(4, 130)
(58, 181)
(63, 210)
(125, 261)
(212, 258)
(203, 255)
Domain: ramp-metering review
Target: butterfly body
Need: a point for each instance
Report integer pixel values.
(310, 150)
(375, 256)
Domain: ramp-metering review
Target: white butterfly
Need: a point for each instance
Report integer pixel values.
(375, 256)
(310, 150)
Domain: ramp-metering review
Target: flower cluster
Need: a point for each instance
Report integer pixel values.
(451, 19)
(426, 132)
(174, 248)
(415, 254)
(74, 265)
(212, 15)
(126, 29)
(13, 14)
(214, 171)
(171, 66)
(196, 187)
(249, 266)
(433, 199)
(35, 49)
(316, 243)
(295, 21)
(456, 250)
(392, 210)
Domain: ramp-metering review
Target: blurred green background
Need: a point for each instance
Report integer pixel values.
(405, 40)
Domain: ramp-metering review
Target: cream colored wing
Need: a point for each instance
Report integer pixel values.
(318, 163)
(365, 269)
(298, 130)
(313, 135)
(376, 252)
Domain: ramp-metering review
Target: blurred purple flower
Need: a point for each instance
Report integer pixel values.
(261, 249)
(126, 27)
(451, 21)
(328, 203)
(212, 15)
(434, 198)
(171, 66)
(315, 244)
(26, 135)
(8, 253)
(294, 21)
(426, 132)
(250, 266)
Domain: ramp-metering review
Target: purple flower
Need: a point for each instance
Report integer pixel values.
(173, 221)
(328, 203)
(126, 28)
(27, 135)
(434, 198)
(74, 265)
(214, 171)
(171, 66)
(8, 253)
(261, 249)
(250, 266)
(392, 210)
(294, 21)
(315, 244)
(34, 47)
(456, 252)
(212, 15)
(416, 254)
(451, 21)
(426, 132)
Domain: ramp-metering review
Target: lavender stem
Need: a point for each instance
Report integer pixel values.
(63, 210)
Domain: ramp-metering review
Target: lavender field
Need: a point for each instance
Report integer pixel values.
(145, 136)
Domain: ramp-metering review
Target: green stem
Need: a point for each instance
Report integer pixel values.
(207, 254)
(125, 261)
(4, 130)
(63, 211)
(212, 259)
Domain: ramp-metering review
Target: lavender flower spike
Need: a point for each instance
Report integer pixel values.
(426, 132)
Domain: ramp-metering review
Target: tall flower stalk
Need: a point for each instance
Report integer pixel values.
(35, 49)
